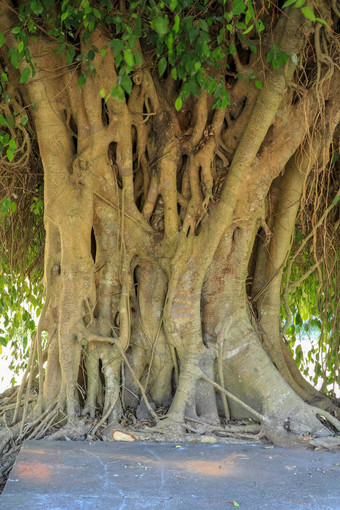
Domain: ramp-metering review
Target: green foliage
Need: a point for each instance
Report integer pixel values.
(20, 306)
(188, 38)
(315, 323)
(20, 263)
(277, 57)
(7, 206)
(306, 10)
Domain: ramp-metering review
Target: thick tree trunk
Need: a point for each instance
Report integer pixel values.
(152, 236)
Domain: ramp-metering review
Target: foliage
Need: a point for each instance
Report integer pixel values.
(316, 319)
(311, 306)
(20, 301)
(189, 40)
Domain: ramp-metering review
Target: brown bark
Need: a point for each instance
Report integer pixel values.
(150, 234)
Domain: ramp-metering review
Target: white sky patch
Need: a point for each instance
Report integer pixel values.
(6, 374)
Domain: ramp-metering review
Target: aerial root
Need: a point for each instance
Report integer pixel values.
(244, 430)
(273, 433)
(328, 416)
(172, 436)
(102, 421)
(72, 429)
(255, 413)
(329, 442)
(116, 342)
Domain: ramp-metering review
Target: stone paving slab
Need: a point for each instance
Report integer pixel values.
(68, 475)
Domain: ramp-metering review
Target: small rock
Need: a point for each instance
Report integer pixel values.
(119, 435)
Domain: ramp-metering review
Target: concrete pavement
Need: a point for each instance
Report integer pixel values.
(69, 475)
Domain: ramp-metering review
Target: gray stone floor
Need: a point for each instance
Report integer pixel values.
(58, 475)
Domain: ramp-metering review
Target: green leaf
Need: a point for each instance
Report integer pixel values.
(203, 25)
(24, 120)
(235, 503)
(249, 29)
(162, 66)
(160, 25)
(252, 46)
(3, 341)
(126, 83)
(14, 207)
(129, 58)
(10, 154)
(60, 48)
(178, 103)
(336, 200)
(97, 13)
(175, 28)
(138, 27)
(174, 73)
(82, 80)
(15, 59)
(12, 144)
(2, 39)
(16, 30)
(258, 84)
(91, 55)
(308, 13)
(117, 46)
(138, 59)
(321, 21)
(169, 41)
(239, 7)
(288, 3)
(36, 7)
(25, 74)
(118, 92)
(232, 49)
(20, 46)
(70, 54)
(299, 3)
(5, 205)
(10, 121)
(298, 236)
